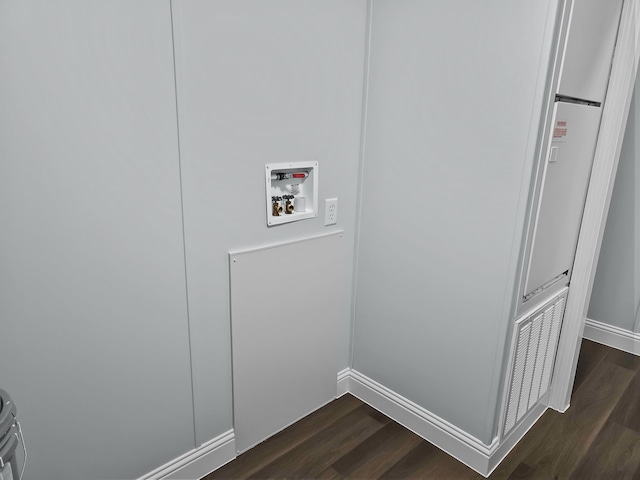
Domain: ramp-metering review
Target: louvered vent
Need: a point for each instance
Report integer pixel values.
(536, 343)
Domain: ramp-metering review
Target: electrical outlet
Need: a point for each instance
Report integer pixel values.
(330, 211)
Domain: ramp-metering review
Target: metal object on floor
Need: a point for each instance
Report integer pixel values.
(10, 437)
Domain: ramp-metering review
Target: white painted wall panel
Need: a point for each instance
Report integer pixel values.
(616, 287)
(94, 346)
(285, 326)
(454, 105)
(564, 190)
(592, 37)
(259, 82)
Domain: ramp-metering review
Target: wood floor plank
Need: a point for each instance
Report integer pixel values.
(420, 456)
(531, 441)
(377, 453)
(426, 461)
(522, 471)
(598, 437)
(316, 454)
(627, 411)
(591, 354)
(615, 454)
(636, 475)
(381, 417)
(622, 359)
(568, 440)
(329, 474)
(278, 445)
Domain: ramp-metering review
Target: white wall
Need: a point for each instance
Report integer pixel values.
(259, 82)
(616, 288)
(118, 213)
(453, 116)
(99, 345)
(94, 345)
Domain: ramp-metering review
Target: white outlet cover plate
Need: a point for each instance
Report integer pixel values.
(330, 211)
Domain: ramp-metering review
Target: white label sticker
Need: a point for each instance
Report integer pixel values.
(560, 131)
(6, 473)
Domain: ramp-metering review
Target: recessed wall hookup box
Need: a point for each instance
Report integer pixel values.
(292, 191)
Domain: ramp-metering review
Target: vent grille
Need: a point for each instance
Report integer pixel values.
(537, 341)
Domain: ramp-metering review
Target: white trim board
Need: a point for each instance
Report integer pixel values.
(611, 336)
(454, 441)
(605, 163)
(459, 444)
(198, 462)
(343, 382)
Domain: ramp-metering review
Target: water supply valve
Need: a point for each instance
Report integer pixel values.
(288, 206)
(276, 208)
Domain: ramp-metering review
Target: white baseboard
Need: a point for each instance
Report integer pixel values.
(199, 462)
(343, 382)
(611, 336)
(457, 443)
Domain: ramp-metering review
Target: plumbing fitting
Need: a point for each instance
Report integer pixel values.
(276, 208)
(285, 175)
(288, 206)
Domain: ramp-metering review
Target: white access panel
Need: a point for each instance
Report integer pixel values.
(564, 190)
(592, 36)
(285, 309)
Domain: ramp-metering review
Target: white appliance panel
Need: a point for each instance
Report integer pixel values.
(565, 182)
(592, 37)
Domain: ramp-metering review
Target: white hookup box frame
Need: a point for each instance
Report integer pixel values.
(298, 180)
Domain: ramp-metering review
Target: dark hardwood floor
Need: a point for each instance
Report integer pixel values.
(597, 438)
